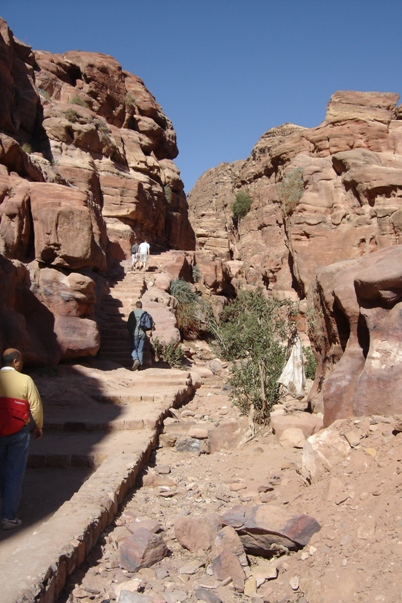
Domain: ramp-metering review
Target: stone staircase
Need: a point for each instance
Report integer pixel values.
(116, 306)
(102, 423)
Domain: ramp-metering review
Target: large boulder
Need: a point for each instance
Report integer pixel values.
(358, 310)
(264, 529)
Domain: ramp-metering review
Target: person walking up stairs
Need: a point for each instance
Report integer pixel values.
(116, 344)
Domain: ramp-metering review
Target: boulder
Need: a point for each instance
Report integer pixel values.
(227, 565)
(322, 451)
(225, 436)
(293, 437)
(142, 549)
(264, 529)
(361, 305)
(57, 212)
(197, 533)
(308, 423)
(227, 539)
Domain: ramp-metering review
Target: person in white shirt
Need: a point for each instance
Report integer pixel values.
(144, 250)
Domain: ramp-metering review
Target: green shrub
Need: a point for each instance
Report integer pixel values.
(171, 353)
(101, 126)
(71, 115)
(129, 100)
(27, 148)
(44, 93)
(310, 363)
(254, 333)
(167, 189)
(291, 190)
(192, 312)
(196, 274)
(182, 291)
(77, 100)
(241, 206)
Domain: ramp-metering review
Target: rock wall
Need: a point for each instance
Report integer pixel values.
(349, 206)
(357, 330)
(86, 167)
(330, 241)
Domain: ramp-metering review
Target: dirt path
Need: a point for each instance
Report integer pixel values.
(355, 557)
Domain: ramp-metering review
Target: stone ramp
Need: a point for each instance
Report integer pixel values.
(101, 424)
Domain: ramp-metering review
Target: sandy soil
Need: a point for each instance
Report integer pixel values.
(356, 555)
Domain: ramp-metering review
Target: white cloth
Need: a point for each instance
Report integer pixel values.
(293, 376)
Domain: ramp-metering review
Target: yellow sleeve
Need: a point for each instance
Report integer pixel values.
(35, 403)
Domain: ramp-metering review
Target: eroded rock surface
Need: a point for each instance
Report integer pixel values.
(357, 331)
(348, 204)
(86, 166)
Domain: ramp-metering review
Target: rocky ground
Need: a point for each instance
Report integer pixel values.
(355, 556)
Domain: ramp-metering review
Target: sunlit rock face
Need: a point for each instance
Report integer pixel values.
(330, 240)
(348, 205)
(86, 167)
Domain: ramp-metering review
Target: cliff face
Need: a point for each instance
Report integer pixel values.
(349, 204)
(325, 228)
(86, 166)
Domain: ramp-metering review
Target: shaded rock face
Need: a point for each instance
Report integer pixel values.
(348, 205)
(358, 309)
(86, 168)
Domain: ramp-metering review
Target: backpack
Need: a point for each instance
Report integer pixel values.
(146, 321)
(134, 249)
(14, 413)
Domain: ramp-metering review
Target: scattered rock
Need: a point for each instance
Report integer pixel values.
(142, 549)
(203, 594)
(293, 437)
(264, 527)
(227, 565)
(322, 451)
(197, 533)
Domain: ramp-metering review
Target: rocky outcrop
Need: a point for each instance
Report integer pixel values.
(324, 200)
(86, 168)
(319, 195)
(358, 304)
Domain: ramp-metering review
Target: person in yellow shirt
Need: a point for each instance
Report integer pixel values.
(19, 401)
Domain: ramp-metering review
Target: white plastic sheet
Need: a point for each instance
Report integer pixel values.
(293, 377)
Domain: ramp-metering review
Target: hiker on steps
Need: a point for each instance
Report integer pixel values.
(19, 400)
(134, 256)
(143, 250)
(139, 322)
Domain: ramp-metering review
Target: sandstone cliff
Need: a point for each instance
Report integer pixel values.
(86, 166)
(349, 206)
(325, 220)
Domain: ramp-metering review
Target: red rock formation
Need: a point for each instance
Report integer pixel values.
(346, 205)
(351, 167)
(357, 328)
(86, 165)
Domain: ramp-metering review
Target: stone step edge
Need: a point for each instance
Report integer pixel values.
(86, 515)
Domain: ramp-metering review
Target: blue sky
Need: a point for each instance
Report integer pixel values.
(226, 71)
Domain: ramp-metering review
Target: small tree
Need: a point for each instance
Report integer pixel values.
(192, 312)
(254, 332)
(241, 205)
